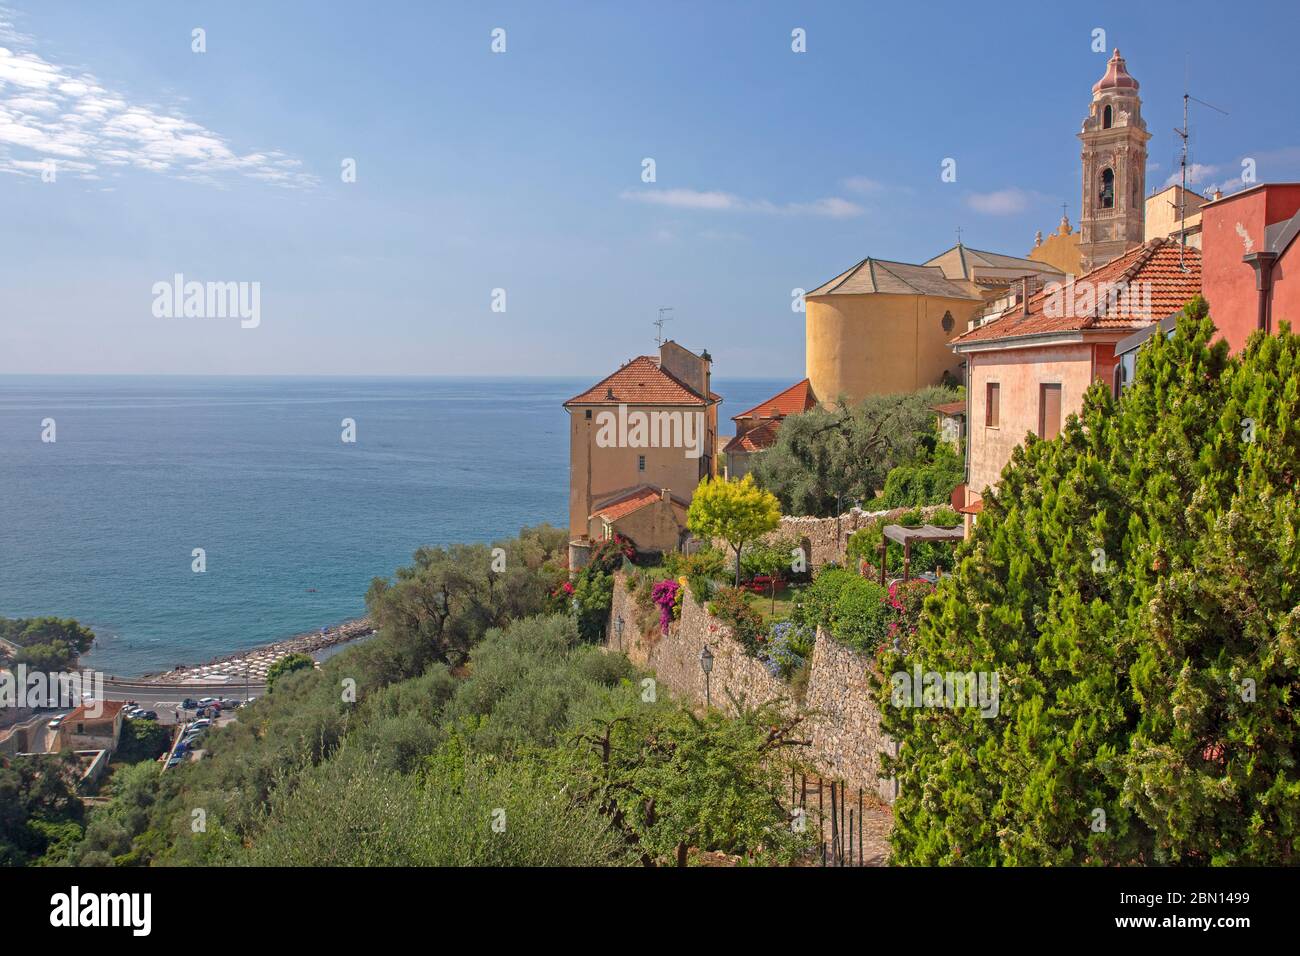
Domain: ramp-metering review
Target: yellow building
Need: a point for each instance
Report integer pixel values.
(1174, 211)
(885, 327)
(1060, 249)
(640, 440)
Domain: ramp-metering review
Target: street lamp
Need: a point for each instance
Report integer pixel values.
(618, 630)
(706, 665)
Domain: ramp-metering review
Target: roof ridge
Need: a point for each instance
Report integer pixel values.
(847, 274)
(766, 401)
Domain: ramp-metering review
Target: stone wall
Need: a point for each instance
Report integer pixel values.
(675, 657)
(843, 719)
(826, 540)
(847, 739)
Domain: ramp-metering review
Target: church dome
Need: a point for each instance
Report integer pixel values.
(1117, 76)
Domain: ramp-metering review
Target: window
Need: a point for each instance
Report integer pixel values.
(947, 322)
(1049, 411)
(991, 404)
(640, 462)
(1107, 197)
(587, 415)
(1107, 118)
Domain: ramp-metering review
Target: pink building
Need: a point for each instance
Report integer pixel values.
(1028, 367)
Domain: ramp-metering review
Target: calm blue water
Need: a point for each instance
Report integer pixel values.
(100, 525)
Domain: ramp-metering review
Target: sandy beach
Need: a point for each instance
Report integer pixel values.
(253, 664)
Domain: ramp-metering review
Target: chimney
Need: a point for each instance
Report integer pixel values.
(1024, 294)
(663, 493)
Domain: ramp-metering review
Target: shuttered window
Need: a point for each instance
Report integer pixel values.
(991, 403)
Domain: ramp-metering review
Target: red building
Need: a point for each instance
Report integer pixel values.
(1251, 261)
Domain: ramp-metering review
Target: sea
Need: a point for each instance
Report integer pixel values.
(102, 523)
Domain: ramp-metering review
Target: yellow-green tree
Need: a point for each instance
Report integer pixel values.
(736, 511)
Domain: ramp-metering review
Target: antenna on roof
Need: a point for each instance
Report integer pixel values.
(959, 235)
(659, 323)
(1184, 133)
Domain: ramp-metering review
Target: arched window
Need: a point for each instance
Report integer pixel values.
(1107, 196)
(947, 322)
(1107, 118)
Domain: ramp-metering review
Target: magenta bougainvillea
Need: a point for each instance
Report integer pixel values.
(665, 595)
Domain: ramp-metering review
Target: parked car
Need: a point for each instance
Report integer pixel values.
(174, 760)
(145, 715)
(201, 723)
(229, 703)
(189, 703)
(54, 724)
(204, 701)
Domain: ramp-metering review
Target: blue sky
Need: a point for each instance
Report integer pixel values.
(522, 170)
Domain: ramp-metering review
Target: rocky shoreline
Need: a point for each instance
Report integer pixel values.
(253, 664)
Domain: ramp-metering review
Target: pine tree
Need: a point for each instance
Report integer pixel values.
(1134, 584)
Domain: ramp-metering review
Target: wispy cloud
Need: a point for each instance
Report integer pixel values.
(54, 113)
(863, 185)
(1196, 173)
(832, 207)
(1002, 202)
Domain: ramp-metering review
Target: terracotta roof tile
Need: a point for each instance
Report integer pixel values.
(797, 398)
(109, 711)
(950, 408)
(759, 437)
(634, 500)
(1153, 266)
(641, 382)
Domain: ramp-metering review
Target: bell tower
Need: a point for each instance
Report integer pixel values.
(1114, 137)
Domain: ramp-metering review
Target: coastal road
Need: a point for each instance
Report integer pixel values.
(166, 698)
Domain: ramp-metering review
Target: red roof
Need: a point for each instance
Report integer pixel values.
(762, 435)
(641, 382)
(634, 500)
(1154, 267)
(950, 408)
(108, 710)
(797, 398)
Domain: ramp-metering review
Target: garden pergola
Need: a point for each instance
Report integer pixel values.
(906, 536)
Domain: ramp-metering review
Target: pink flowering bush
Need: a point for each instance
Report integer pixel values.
(906, 598)
(665, 595)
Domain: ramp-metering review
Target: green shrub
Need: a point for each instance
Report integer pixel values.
(861, 614)
(701, 570)
(732, 607)
(928, 482)
(945, 517)
(853, 609)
